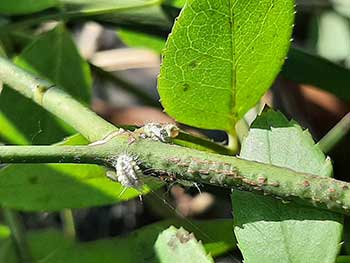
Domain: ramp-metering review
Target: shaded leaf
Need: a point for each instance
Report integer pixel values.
(221, 58)
(52, 187)
(53, 56)
(292, 233)
(51, 246)
(16, 7)
(178, 245)
(176, 3)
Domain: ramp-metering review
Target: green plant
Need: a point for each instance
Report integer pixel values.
(219, 60)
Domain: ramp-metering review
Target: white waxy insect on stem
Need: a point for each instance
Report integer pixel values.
(160, 132)
(128, 172)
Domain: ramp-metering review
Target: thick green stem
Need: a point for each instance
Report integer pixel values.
(176, 162)
(336, 134)
(18, 235)
(165, 159)
(51, 154)
(55, 101)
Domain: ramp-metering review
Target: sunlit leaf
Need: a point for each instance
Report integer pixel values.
(178, 245)
(269, 230)
(50, 246)
(221, 58)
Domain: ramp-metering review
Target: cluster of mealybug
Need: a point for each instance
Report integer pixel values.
(160, 132)
(128, 172)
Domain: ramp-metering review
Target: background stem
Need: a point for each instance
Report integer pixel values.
(68, 224)
(18, 234)
(336, 134)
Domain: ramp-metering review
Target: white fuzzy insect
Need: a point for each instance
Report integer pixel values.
(128, 172)
(160, 132)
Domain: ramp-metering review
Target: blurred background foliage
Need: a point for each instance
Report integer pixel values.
(116, 73)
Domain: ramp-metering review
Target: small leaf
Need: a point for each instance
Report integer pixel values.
(178, 245)
(53, 187)
(50, 246)
(221, 58)
(269, 230)
(17, 7)
(53, 56)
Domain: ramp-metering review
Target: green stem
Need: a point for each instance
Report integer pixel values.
(178, 162)
(336, 134)
(18, 235)
(55, 101)
(68, 225)
(147, 99)
(165, 159)
(233, 141)
(51, 154)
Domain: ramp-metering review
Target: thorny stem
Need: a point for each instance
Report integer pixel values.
(336, 134)
(18, 235)
(172, 162)
(165, 160)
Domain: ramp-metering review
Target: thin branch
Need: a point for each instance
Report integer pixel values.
(336, 134)
(175, 162)
(18, 235)
(167, 160)
(68, 224)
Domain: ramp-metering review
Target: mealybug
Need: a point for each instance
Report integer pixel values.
(128, 172)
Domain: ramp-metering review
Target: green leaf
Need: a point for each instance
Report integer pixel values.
(343, 259)
(53, 56)
(178, 245)
(269, 230)
(16, 7)
(101, 6)
(53, 187)
(51, 246)
(176, 3)
(138, 39)
(221, 58)
(310, 69)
